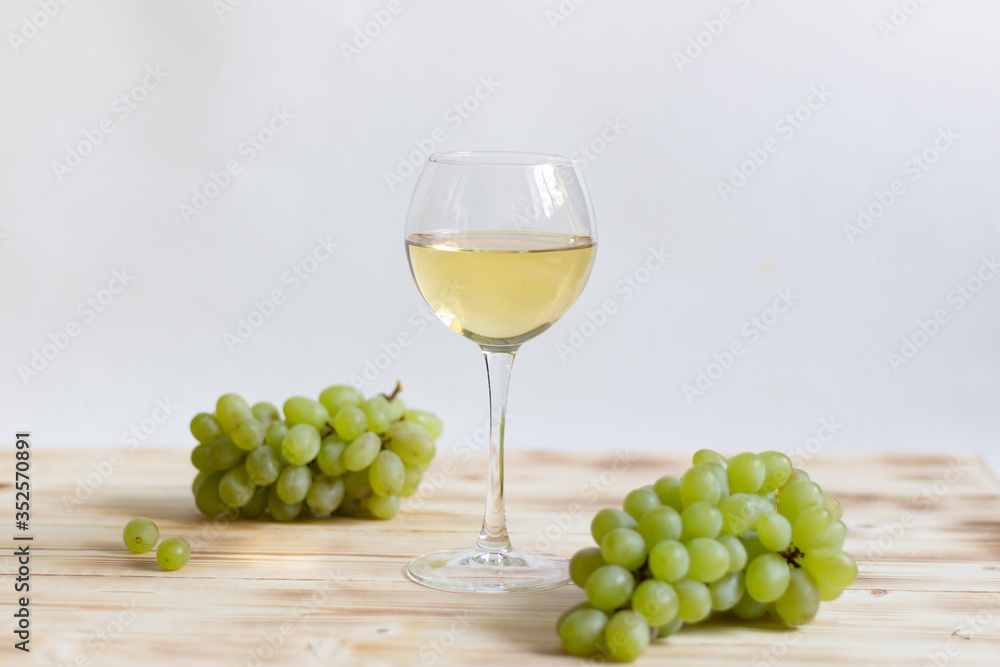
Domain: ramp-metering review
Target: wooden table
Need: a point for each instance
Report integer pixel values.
(925, 531)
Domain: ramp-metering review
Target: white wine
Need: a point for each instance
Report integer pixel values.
(500, 288)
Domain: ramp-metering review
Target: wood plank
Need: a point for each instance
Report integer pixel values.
(925, 530)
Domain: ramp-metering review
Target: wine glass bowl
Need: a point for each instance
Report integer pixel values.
(500, 245)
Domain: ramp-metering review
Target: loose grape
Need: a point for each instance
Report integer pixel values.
(428, 420)
(625, 547)
(709, 559)
(235, 487)
(767, 577)
(414, 446)
(669, 560)
(701, 519)
(700, 483)
(377, 410)
(660, 523)
(746, 472)
(223, 454)
(229, 409)
(293, 483)
(727, 591)
(387, 474)
(140, 535)
(265, 413)
(257, 504)
(411, 482)
(709, 456)
(362, 452)
(774, 531)
(382, 507)
(583, 563)
(668, 490)
(279, 509)
(205, 428)
(640, 501)
(325, 494)
(340, 396)
(609, 587)
(739, 513)
(626, 636)
(302, 410)
(656, 600)
(694, 600)
(301, 444)
(275, 434)
(248, 434)
(263, 466)
(582, 630)
(800, 602)
(777, 467)
(608, 519)
(350, 422)
(329, 458)
(199, 458)
(173, 554)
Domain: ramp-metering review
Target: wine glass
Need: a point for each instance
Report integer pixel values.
(500, 245)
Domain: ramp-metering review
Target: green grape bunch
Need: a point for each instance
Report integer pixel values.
(749, 536)
(343, 454)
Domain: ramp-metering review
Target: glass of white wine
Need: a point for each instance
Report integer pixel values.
(500, 245)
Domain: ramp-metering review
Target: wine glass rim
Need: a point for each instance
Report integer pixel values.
(501, 159)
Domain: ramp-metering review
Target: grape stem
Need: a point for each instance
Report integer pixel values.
(391, 397)
(790, 554)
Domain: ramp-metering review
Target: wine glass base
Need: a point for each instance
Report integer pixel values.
(478, 571)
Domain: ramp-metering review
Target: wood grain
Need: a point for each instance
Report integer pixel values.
(925, 530)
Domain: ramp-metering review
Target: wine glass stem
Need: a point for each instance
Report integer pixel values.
(493, 537)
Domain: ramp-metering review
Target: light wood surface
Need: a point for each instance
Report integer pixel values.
(925, 531)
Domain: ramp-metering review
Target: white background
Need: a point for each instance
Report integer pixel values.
(558, 83)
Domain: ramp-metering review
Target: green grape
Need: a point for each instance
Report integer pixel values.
(656, 600)
(737, 552)
(660, 523)
(265, 413)
(329, 458)
(798, 475)
(721, 476)
(709, 559)
(749, 609)
(173, 554)
(199, 458)
(709, 456)
(777, 467)
(235, 487)
(396, 409)
(411, 481)
(766, 577)
(582, 630)
(293, 483)
(608, 519)
(739, 513)
(263, 466)
(199, 478)
(377, 410)
(223, 454)
(414, 446)
(831, 567)
(205, 428)
(275, 434)
(248, 434)
(279, 509)
(668, 490)
(670, 628)
(609, 587)
(700, 483)
(626, 636)
(229, 409)
(810, 527)
(301, 444)
(669, 560)
(774, 531)
(583, 563)
(794, 498)
(140, 535)
(835, 535)
(400, 426)
(625, 547)
(357, 485)
(340, 396)
(325, 494)
(362, 452)
(350, 422)
(727, 591)
(570, 610)
(701, 519)
(639, 501)
(257, 504)
(302, 410)
(350, 506)
(751, 543)
(833, 506)
(207, 498)
(695, 600)
(382, 507)
(428, 420)
(387, 474)
(800, 601)
(746, 472)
